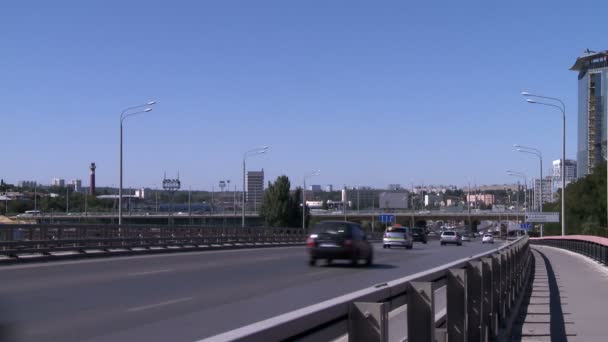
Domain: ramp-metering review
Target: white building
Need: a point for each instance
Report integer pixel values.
(329, 188)
(76, 184)
(570, 171)
(60, 182)
(547, 187)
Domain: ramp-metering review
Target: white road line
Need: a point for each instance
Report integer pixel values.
(169, 302)
(149, 272)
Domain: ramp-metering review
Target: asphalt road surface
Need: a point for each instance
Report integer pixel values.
(189, 296)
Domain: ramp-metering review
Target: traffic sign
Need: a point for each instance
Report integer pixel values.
(542, 217)
(386, 218)
(526, 226)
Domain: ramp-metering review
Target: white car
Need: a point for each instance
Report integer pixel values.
(487, 238)
(398, 236)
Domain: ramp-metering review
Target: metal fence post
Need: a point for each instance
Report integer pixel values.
(368, 322)
(475, 314)
(457, 305)
(488, 302)
(420, 312)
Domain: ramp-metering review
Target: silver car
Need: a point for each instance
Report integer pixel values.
(450, 237)
(397, 237)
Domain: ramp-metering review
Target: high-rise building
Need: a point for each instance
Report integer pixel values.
(26, 184)
(76, 184)
(394, 187)
(60, 182)
(255, 189)
(329, 188)
(92, 167)
(570, 171)
(315, 188)
(592, 109)
(547, 187)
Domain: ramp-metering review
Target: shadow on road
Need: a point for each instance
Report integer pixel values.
(347, 264)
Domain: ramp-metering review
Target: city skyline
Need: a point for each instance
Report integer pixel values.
(240, 78)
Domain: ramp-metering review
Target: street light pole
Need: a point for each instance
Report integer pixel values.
(315, 173)
(123, 115)
(538, 153)
(253, 152)
(562, 108)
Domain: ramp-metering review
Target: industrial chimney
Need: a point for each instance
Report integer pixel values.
(92, 181)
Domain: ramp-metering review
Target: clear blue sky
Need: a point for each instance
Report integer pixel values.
(370, 92)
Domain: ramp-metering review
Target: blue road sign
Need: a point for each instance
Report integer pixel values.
(526, 226)
(385, 218)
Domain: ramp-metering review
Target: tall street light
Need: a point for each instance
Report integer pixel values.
(562, 108)
(312, 174)
(539, 154)
(123, 115)
(525, 178)
(254, 152)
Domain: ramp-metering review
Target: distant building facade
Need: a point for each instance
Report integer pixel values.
(26, 184)
(487, 199)
(592, 70)
(393, 200)
(76, 184)
(315, 188)
(570, 171)
(255, 189)
(547, 191)
(394, 187)
(329, 188)
(60, 182)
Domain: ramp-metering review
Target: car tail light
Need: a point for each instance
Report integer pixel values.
(348, 243)
(310, 242)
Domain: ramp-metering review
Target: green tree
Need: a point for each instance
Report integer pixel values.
(585, 206)
(280, 209)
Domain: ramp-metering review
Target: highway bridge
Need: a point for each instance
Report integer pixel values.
(219, 295)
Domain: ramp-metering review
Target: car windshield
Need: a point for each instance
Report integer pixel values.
(333, 228)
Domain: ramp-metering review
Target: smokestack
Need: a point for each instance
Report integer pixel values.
(92, 180)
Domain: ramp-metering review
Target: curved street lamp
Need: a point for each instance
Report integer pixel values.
(562, 108)
(123, 115)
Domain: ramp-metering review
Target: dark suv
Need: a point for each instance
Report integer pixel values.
(419, 235)
(331, 240)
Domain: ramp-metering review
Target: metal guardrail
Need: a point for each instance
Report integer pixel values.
(481, 293)
(20, 240)
(594, 247)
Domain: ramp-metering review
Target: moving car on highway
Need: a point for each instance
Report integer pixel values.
(397, 236)
(466, 237)
(450, 237)
(331, 240)
(419, 235)
(487, 238)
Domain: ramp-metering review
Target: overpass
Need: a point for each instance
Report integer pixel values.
(253, 219)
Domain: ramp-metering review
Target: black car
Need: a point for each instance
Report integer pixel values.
(333, 240)
(419, 235)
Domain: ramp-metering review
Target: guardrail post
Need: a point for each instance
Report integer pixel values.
(504, 281)
(487, 276)
(476, 330)
(368, 322)
(496, 294)
(420, 312)
(457, 305)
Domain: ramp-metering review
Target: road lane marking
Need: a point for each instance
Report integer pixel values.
(152, 306)
(150, 272)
